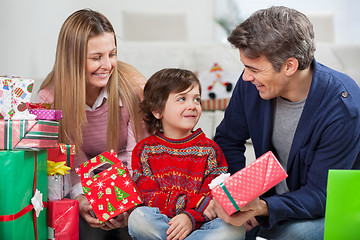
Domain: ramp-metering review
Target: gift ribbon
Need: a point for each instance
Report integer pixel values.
(57, 168)
(68, 154)
(26, 209)
(69, 150)
(222, 185)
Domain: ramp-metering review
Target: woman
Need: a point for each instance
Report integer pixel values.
(99, 98)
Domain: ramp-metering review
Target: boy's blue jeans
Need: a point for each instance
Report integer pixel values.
(147, 223)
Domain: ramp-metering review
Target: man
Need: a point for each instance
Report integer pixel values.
(306, 113)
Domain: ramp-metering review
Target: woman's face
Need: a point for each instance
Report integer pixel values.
(101, 60)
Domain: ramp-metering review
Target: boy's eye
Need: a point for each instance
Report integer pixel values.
(198, 100)
(182, 99)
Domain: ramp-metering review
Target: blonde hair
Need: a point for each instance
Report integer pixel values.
(67, 78)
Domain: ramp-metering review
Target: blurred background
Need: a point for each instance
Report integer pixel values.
(29, 28)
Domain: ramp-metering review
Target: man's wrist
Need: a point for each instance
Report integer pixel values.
(263, 208)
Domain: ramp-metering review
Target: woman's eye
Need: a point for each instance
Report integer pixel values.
(96, 58)
(112, 54)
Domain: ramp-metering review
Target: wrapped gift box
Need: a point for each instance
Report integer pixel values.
(112, 191)
(45, 114)
(62, 153)
(63, 219)
(20, 173)
(249, 183)
(58, 186)
(14, 94)
(28, 134)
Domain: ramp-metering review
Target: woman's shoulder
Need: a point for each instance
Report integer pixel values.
(45, 95)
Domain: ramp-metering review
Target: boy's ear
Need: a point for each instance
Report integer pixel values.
(157, 114)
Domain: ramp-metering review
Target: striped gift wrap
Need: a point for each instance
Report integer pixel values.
(28, 134)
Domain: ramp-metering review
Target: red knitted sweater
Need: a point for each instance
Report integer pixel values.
(173, 174)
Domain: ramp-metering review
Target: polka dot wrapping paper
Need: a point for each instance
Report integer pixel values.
(250, 182)
(44, 114)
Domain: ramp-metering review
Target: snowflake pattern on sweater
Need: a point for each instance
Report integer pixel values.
(173, 174)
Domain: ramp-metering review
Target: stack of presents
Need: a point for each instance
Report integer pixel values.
(34, 172)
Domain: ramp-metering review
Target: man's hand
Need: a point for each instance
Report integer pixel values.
(180, 227)
(256, 207)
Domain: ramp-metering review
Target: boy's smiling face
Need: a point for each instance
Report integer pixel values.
(181, 113)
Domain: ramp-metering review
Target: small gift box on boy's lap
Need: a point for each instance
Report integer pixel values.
(110, 192)
(28, 134)
(63, 219)
(14, 94)
(21, 173)
(248, 183)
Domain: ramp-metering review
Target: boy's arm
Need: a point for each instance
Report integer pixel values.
(196, 206)
(150, 190)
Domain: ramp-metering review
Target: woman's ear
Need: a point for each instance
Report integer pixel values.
(157, 114)
(291, 66)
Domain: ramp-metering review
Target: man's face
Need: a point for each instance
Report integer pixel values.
(260, 72)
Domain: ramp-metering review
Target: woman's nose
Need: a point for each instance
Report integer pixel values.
(106, 63)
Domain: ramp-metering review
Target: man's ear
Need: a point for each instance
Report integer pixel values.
(157, 114)
(291, 66)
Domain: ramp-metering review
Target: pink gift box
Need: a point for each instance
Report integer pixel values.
(45, 114)
(248, 183)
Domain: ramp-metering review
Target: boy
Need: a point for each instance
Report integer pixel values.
(173, 167)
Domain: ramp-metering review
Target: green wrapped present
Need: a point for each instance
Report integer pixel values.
(342, 214)
(18, 184)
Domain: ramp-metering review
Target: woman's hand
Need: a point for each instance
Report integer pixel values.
(86, 210)
(117, 222)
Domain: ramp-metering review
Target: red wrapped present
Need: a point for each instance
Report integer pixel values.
(45, 114)
(28, 134)
(63, 219)
(248, 183)
(63, 153)
(110, 192)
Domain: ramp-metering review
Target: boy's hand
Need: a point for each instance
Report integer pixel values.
(209, 211)
(180, 227)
